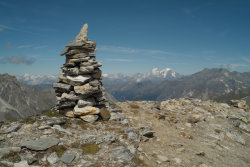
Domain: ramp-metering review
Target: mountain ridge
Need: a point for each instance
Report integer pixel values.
(17, 100)
(203, 85)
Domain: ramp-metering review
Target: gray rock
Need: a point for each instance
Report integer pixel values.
(143, 129)
(105, 114)
(70, 71)
(97, 65)
(233, 121)
(162, 158)
(97, 74)
(40, 144)
(117, 116)
(65, 50)
(10, 129)
(85, 64)
(66, 104)
(86, 102)
(21, 164)
(177, 160)
(80, 78)
(90, 118)
(115, 109)
(28, 157)
(79, 55)
(235, 135)
(106, 139)
(88, 139)
(239, 103)
(42, 127)
(122, 154)
(67, 158)
(60, 129)
(95, 83)
(7, 150)
(55, 121)
(53, 158)
(124, 122)
(86, 89)
(82, 36)
(72, 62)
(6, 163)
(86, 69)
(69, 97)
(75, 43)
(132, 135)
(74, 80)
(62, 86)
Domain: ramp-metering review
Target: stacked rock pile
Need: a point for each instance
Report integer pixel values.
(80, 91)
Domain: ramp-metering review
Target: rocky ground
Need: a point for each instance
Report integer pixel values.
(181, 132)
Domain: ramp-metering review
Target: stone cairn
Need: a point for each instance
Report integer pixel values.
(80, 91)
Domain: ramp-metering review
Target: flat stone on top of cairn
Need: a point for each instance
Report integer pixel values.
(80, 91)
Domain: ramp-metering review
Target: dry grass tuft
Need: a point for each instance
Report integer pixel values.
(134, 111)
(90, 148)
(51, 113)
(28, 120)
(134, 106)
(12, 157)
(59, 149)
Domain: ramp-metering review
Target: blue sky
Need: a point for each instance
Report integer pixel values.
(131, 35)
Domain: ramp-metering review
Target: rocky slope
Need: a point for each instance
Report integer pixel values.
(179, 133)
(239, 94)
(18, 101)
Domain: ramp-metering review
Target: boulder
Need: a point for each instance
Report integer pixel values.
(86, 102)
(40, 144)
(12, 128)
(90, 118)
(67, 158)
(121, 154)
(86, 89)
(86, 70)
(62, 86)
(105, 114)
(86, 110)
(53, 158)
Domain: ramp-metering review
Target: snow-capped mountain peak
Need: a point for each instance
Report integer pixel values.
(164, 73)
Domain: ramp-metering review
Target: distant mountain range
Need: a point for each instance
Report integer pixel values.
(18, 101)
(38, 81)
(162, 84)
(156, 75)
(204, 85)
